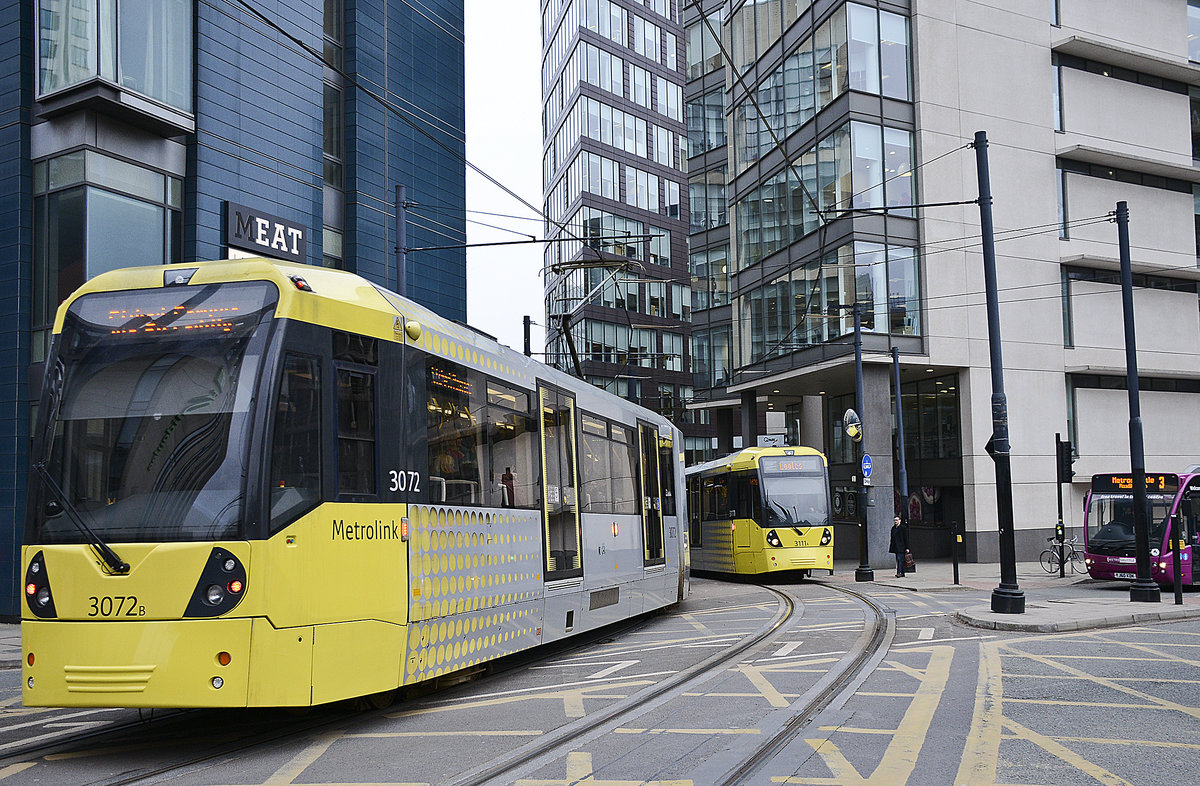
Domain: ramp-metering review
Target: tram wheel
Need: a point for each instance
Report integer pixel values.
(376, 701)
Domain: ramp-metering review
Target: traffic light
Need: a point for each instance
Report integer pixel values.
(1059, 534)
(1066, 457)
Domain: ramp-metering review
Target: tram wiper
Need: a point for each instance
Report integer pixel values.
(115, 563)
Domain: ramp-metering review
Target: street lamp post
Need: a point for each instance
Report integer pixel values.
(1008, 597)
(1144, 589)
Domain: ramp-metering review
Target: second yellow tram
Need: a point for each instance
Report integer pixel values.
(761, 510)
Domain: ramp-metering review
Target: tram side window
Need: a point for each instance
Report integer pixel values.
(693, 507)
(513, 465)
(356, 431)
(624, 470)
(482, 438)
(746, 498)
(595, 475)
(666, 472)
(715, 498)
(296, 444)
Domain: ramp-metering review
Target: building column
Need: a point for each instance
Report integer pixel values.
(877, 427)
(722, 419)
(811, 427)
(749, 418)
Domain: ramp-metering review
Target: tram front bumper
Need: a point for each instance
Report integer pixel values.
(169, 663)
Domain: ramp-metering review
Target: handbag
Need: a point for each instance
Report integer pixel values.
(910, 564)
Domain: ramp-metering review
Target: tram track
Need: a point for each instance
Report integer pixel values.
(832, 690)
(737, 766)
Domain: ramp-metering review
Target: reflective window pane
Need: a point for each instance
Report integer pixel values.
(122, 232)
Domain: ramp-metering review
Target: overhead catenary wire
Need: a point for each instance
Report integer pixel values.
(408, 116)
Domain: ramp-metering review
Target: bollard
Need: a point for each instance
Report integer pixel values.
(955, 540)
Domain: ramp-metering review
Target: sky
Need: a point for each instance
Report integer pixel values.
(504, 139)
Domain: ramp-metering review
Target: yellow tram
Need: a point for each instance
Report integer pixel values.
(761, 510)
(261, 484)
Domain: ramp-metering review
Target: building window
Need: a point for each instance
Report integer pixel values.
(1056, 88)
(135, 44)
(703, 49)
(94, 213)
(333, 130)
(1193, 30)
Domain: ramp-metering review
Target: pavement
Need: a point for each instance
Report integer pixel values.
(1052, 604)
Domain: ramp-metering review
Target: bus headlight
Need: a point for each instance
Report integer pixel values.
(826, 537)
(773, 539)
(214, 595)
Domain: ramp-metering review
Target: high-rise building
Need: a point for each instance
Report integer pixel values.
(150, 133)
(837, 138)
(615, 153)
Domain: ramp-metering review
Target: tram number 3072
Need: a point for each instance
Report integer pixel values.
(404, 480)
(115, 606)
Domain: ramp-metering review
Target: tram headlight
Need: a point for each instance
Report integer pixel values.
(214, 595)
(773, 539)
(220, 587)
(826, 537)
(37, 588)
(42, 597)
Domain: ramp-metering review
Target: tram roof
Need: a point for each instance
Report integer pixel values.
(346, 301)
(747, 458)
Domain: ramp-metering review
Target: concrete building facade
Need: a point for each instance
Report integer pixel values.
(841, 116)
(141, 133)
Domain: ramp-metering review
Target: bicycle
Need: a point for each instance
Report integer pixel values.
(1051, 556)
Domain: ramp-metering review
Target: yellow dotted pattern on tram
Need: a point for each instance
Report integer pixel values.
(475, 587)
(455, 348)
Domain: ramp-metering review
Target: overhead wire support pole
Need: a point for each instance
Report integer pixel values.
(401, 240)
(863, 572)
(1144, 588)
(1008, 597)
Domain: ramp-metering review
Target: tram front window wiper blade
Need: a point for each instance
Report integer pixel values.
(115, 563)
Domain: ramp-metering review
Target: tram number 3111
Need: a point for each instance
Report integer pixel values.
(115, 606)
(405, 480)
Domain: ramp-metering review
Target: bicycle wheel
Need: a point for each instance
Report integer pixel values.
(1050, 561)
(1076, 560)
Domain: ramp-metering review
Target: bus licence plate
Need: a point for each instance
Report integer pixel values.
(1124, 575)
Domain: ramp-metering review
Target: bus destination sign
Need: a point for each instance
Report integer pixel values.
(1167, 482)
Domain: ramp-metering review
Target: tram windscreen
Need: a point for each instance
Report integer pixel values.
(149, 412)
(1110, 521)
(795, 491)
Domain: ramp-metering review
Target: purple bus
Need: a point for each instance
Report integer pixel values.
(1108, 526)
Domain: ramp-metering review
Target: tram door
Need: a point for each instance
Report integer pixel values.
(652, 516)
(560, 502)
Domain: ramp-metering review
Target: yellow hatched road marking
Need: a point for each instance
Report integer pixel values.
(1153, 651)
(13, 769)
(982, 751)
(900, 758)
(765, 688)
(300, 762)
(1066, 754)
(1152, 701)
(1112, 741)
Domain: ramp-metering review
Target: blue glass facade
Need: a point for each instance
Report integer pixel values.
(254, 131)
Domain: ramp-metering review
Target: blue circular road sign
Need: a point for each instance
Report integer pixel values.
(866, 465)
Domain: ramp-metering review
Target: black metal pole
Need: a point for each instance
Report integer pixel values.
(1008, 597)
(1062, 550)
(1144, 590)
(1176, 547)
(955, 540)
(863, 572)
(528, 346)
(401, 239)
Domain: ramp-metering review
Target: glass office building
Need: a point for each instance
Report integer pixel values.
(615, 155)
(831, 169)
(149, 133)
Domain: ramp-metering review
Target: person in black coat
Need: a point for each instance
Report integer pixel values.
(899, 545)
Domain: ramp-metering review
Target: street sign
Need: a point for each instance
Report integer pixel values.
(866, 465)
